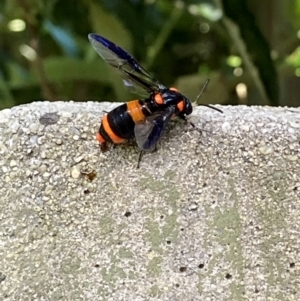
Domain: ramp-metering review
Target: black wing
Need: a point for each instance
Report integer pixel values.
(148, 132)
(135, 76)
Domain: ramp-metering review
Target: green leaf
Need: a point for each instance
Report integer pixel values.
(6, 99)
(294, 58)
(253, 47)
(111, 28)
(61, 69)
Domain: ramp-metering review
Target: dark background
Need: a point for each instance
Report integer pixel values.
(249, 49)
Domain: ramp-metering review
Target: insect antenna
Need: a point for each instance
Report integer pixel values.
(199, 95)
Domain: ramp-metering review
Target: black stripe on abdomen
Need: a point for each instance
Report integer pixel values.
(121, 122)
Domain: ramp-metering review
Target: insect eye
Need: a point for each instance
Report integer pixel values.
(188, 108)
(174, 89)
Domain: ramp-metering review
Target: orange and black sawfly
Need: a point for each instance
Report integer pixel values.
(145, 119)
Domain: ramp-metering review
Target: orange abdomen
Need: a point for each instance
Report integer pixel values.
(117, 126)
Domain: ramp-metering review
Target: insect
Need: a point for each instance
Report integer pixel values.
(145, 119)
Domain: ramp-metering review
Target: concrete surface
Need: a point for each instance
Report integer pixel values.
(211, 216)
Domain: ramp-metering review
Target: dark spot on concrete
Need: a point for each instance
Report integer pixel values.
(49, 118)
(2, 277)
(90, 175)
(182, 269)
(86, 191)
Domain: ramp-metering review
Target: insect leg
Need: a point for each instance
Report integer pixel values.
(190, 123)
(186, 120)
(103, 146)
(139, 159)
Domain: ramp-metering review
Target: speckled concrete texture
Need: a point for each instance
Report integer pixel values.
(211, 215)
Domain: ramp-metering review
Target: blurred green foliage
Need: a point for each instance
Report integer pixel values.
(250, 46)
